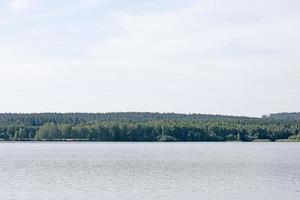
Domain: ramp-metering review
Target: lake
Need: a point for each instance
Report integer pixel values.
(142, 171)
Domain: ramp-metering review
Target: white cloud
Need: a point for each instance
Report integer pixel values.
(210, 57)
(19, 5)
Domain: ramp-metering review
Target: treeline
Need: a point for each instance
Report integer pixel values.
(152, 131)
(144, 127)
(38, 119)
(285, 116)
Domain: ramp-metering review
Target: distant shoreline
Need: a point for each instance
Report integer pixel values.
(83, 141)
(148, 127)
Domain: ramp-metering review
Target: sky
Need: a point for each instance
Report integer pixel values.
(232, 57)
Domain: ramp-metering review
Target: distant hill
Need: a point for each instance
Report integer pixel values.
(37, 119)
(285, 116)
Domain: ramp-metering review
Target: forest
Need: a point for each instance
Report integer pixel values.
(135, 126)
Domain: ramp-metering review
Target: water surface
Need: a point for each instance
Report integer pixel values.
(87, 170)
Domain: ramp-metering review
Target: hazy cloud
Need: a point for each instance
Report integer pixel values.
(228, 57)
(19, 5)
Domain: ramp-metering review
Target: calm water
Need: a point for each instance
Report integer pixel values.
(138, 171)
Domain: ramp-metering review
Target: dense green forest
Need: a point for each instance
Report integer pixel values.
(285, 116)
(131, 126)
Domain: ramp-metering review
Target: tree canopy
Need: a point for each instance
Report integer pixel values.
(145, 127)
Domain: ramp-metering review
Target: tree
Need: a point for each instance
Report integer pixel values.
(49, 131)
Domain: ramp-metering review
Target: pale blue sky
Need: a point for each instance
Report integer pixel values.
(231, 57)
